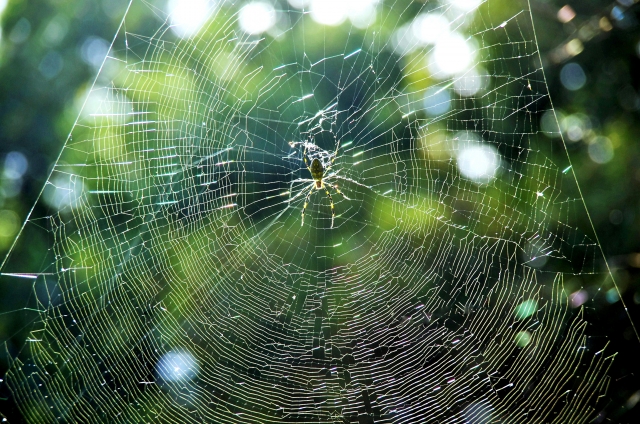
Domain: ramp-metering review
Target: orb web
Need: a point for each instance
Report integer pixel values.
(182, 285)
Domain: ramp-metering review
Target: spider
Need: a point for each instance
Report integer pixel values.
(318, 172)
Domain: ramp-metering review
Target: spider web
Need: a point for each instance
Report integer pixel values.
(181, 284)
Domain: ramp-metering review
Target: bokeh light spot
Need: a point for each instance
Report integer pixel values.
(55, 31)
(526, 309)
(617, 13)
(257, 17)
(572, 76)
(62, 192)
(15, 165)
(465, 5)
(616, 217)
(522, 338)
(20, 31)
(478, 163)
(604, 24)
(299, 4)
(566, 14)
(404, 40)
(452, 55)
(600, 150)
(188, 16)
(9, 223)
(329, 12)
(633, 400)
(578, 298)
(362, 13)
(575, 126)
(429, 27)
(94, 50)
(177, 366)
(574, 47)
(436, 101)
(50, 65)
(612, 295)
(472, 82)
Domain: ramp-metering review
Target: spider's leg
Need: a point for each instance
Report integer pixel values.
(304, 156)
(306, 203)
(351, 180)
(336, 189)
(333, 211)
(335, 154)
(301, 192)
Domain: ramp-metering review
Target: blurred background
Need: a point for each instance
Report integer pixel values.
(51, 51)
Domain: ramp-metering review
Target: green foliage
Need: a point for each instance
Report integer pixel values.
(153, 254)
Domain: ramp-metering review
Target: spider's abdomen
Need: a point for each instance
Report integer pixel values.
(317, 172)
